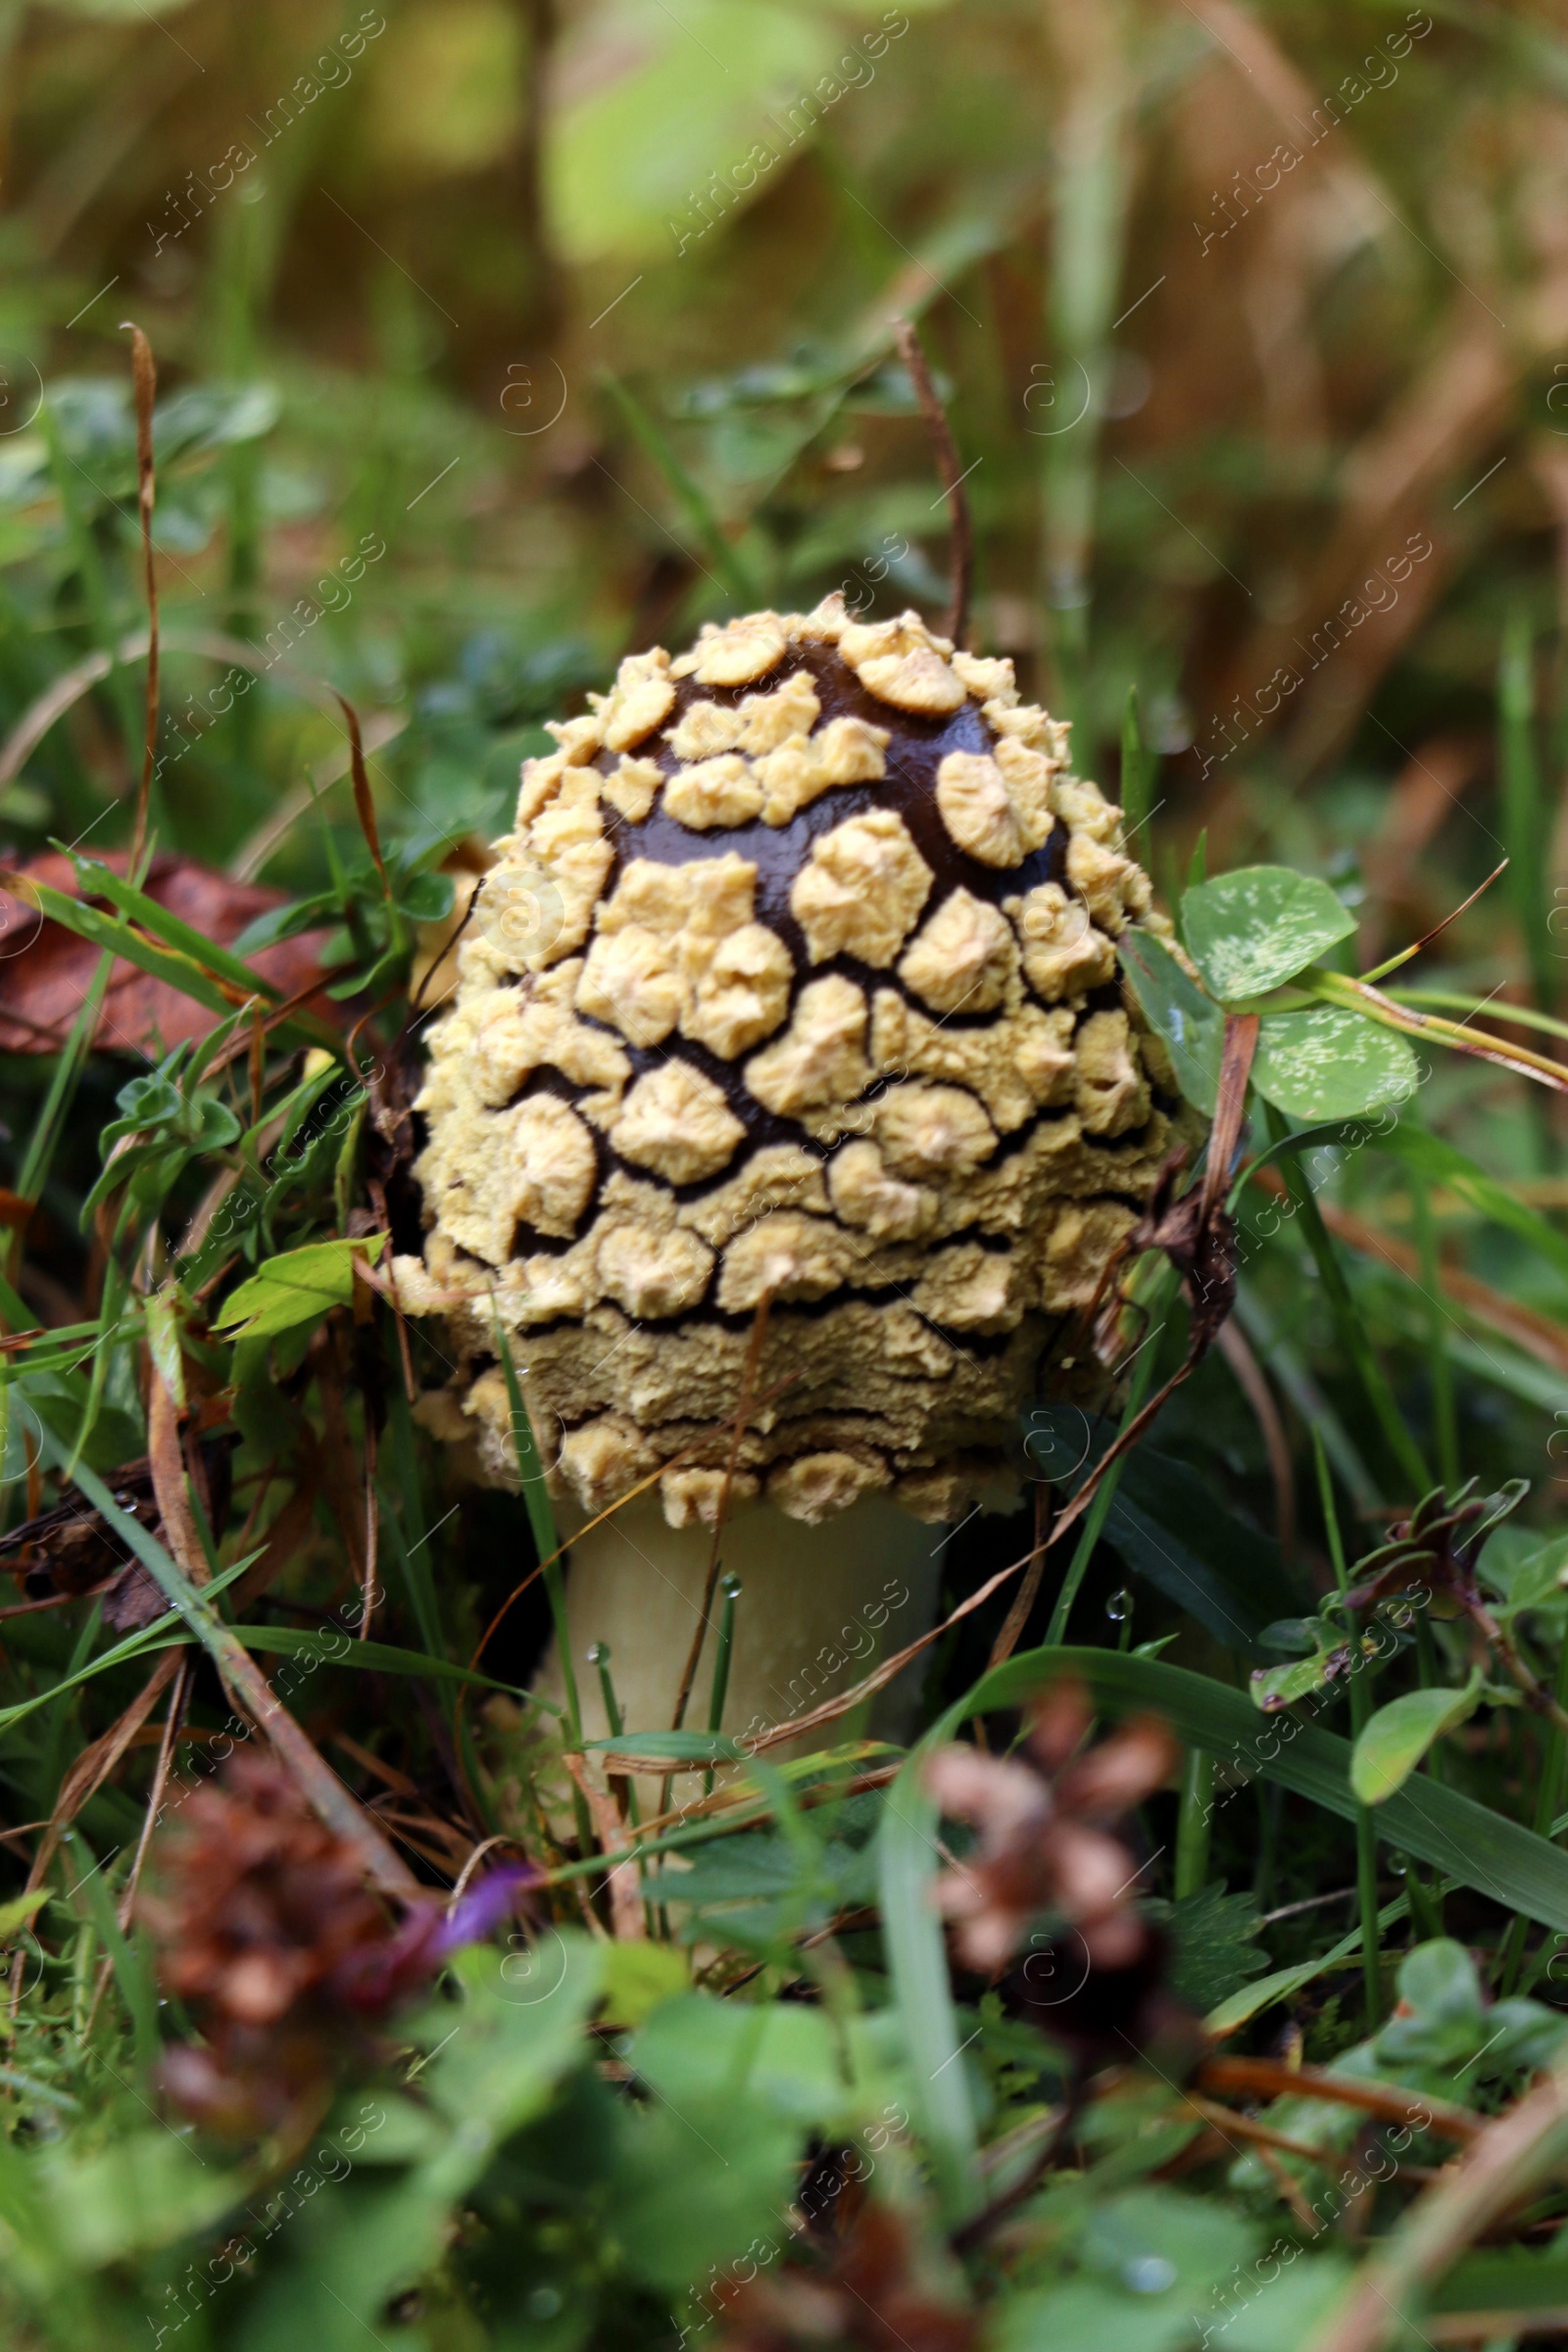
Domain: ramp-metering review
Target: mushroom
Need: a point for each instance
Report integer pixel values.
(789, 1013)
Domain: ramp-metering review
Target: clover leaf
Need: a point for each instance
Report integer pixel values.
(1329, 1062)
(1251, 931)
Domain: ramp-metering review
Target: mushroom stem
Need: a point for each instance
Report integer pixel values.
(817, 1608)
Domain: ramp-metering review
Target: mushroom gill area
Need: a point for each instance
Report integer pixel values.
(795, 980)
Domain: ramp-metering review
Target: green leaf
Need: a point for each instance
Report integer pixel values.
(1395, 1740)
(498, 2058)
(1331, 1064)
(640, 1978)
(19, 1910)
(1176, 1008)
(695, 2183)
(1086, 2315)
(1526, 1571)
(672, 1747)
(917, 1960)
(1153, 2260)
(1285, 1982)
(292, 1289)
(380, 1657)
(518, 2038)
(140, 2192)
(1250, 931)
(1272, 1687)
(108, 931)
(223, 963)
(755, 1888)
(1444, 2023)
(629, 158)
(783, 2052)
(1515, 2280)
(1214, 1950)
(1287, 2307)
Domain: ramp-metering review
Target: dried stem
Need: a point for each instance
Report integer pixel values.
(955, 618)
(1023, 1600)
(364, 805)
(244, 1680)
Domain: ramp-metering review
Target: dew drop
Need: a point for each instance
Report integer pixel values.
(1119, 1606)
(731, 1586)
(1148, 2275)
(597, 1653)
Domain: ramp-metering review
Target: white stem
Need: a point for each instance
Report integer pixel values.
(819, 1606)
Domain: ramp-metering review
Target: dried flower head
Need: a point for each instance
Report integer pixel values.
(265, 1928)
(1045, 1820)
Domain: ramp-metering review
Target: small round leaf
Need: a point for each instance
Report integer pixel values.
(1331, 1064)
(1253, 930)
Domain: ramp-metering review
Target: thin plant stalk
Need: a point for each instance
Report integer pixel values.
(1163, 1292)
(542, 1522)
(730, 1588)
(599, 1658)
(1347, 1323)
(1367, 1845)
(1192, 1820)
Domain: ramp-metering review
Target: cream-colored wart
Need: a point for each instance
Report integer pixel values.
(676, 1122)
(695, 1497)
(819, 1486)
(1111, 886)
(987, 680)
(653, 1275)
(792, 1258)
(717, 792)
(1111, 1089)
(1063, 955)
(641, 699)
(933, 1134)
(1082, 1240)
(847, 750)
(821, 1059)
(901, 663)
(962, 959)
(567, 841)
(861, 890)
(631, 979)
(737, 655)
(759, 724)
(677, 947)
(867, 1197)
(631, 789)
(995, 804)
(967, 1288)
(739, 987)
(535, 1165)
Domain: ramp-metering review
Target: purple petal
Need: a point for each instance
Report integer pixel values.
(487, 1903)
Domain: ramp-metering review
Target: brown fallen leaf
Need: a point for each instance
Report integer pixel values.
(45, 970)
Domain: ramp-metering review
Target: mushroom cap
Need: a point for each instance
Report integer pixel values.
(796, 981)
